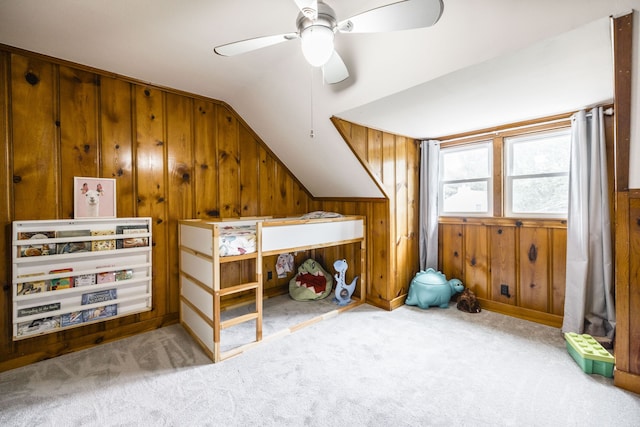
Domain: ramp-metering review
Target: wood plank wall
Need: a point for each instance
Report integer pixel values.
(626, 214)
(393, 161)
(173, 155)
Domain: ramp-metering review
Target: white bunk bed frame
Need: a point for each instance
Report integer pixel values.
(200, 261)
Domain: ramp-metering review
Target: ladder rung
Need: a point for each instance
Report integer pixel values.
(238, 320)
(238, 288)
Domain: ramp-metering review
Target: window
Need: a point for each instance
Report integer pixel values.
(517, 173)
(466, 179)
(537, 174)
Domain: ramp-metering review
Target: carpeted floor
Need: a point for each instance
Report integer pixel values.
(365, 367)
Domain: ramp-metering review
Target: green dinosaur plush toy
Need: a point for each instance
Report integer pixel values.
(312, 282)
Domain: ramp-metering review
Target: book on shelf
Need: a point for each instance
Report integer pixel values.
(38, 309)
(33, 287)
(106, 277)
(99, 296)
(37, 249)
(84, 280)
(133, 242)
(100, 312)
(124, 274)
(103, 245)
(61, 282)
(73, 247)
(38, 325)
(69, 319)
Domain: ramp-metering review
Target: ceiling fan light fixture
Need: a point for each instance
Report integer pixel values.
(317, 44)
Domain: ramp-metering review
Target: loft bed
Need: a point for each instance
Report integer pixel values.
(207, 246)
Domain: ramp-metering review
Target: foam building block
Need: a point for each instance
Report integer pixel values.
(592, 357)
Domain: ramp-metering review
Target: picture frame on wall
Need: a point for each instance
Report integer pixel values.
(94, 197)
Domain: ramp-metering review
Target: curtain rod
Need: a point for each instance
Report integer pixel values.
(608, 112)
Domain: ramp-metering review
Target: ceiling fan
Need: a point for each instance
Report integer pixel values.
(317, 25)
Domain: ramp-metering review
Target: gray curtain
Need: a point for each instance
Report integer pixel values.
(428, 241)
(589, 305)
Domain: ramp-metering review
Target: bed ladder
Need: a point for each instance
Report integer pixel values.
(219, 292)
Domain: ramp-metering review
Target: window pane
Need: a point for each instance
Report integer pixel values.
(548, 195)
(542, 153)
(466, 163)
(467, 197)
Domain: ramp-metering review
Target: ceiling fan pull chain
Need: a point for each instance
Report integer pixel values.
(311, 134)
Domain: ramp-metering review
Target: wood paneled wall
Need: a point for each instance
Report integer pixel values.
(626, 214)
(526, 257)
(173, 155)
(627, 348)
(393, 161)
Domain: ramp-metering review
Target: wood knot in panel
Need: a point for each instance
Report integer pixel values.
(31, 78)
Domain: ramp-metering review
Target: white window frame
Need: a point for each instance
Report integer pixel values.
(488, 179)
(509, 177)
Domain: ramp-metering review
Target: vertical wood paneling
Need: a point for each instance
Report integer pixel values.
(284, 187)
(412, 264)
(452, 250)
(389, 165)
(374, 151)
(5, 205)
(116, 139)
(35, 138)
(205, 161)
(534, 267)
(476, 269)
(228, 163)
(379, 254)
(503, 263)
(300, 199)
(634, 287)
(401, 215)
(558, 269)
(267, 181)
(152, 193)
(249, 174)
(78, 131)
(359, 142)
(179, 125)
(623, 279)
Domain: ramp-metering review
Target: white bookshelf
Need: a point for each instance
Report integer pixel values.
(103, 276)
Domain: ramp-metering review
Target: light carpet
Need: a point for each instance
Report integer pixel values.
(365, 367)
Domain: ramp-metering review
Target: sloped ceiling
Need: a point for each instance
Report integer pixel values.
(398, 80)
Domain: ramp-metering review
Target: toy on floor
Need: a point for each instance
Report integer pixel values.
(468, 302)
(343, 291)
(431, 288)
(311, 283)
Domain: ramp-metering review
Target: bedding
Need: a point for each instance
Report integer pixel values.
(237, 240)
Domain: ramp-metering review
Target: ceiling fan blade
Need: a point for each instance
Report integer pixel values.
(309, 8)
(244, 46)
(335, 71)
(403, 15)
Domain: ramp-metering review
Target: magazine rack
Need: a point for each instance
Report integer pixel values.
(69, 273)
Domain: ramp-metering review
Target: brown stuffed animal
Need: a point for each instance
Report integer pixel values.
(468, 302)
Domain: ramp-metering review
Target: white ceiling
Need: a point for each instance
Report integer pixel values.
(416, 83)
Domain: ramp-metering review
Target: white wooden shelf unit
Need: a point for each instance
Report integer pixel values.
(66, 273)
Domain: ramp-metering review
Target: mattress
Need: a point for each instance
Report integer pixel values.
(237, 240)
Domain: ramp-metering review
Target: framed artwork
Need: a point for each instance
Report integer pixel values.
(94, 197)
